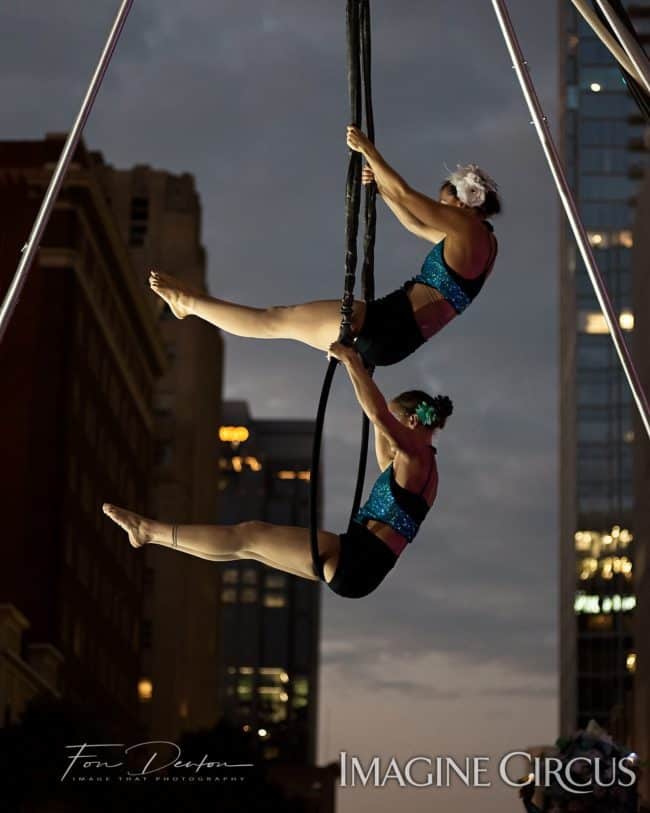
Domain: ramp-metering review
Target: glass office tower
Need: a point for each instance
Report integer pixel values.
(267, 664)
(602, 142)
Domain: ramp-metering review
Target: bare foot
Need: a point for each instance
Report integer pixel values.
(178, 295)
(137, 527)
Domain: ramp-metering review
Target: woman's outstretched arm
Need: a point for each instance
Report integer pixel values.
(371, 399)
(430, 212)
(408, 220)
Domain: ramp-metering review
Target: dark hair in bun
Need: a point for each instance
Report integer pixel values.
(409, 401)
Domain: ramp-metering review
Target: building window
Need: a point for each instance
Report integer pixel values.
(245, 689)
(145, 690)
(228, 595)
(274, 600)
(230, 575)
(139, 218)
(249, 595)
(300, 692)
(276, 580)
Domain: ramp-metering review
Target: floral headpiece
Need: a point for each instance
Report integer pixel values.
(426, 413)
(472, 184)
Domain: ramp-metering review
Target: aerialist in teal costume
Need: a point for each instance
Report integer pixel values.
(357, 561)
(391, 328)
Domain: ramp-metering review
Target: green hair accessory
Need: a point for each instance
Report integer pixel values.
(426, 413)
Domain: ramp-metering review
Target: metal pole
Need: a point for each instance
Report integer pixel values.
(31, 246)
(632, 48)
(608, 40)
(555, 164)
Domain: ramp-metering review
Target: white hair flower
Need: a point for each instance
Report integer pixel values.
(472, 184)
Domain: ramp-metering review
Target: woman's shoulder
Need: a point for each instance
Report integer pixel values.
(420, 456)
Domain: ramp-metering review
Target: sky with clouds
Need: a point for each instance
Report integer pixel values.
(456, 653)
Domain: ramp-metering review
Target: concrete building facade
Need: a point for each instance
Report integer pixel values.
(159, 218)
(80, 359)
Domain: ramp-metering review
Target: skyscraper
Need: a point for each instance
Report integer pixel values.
(159, 217)
(641, 664)
(268, 660)
(602, 145)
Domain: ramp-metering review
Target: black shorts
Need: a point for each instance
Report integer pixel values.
(390, 331)
(364, 562)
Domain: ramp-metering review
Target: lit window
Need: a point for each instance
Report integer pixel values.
(286, 475)
(253, 463)
(274, 600)
(230, 575)
(276, 580)
(237, 464)
(233, 434)
(587, 568)
(625, 238)
(246, 670)
(626, 320)
(145, 690)
(595, 87)
(249, 595)
(229, 595)
(595, 238)
(183, 711)
(304, 475)
(630, 662)
(592, 322)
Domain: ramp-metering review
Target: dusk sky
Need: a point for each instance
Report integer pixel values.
(455, 654)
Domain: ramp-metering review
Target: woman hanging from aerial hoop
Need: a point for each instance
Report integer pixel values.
(356, 562)
(389, 329)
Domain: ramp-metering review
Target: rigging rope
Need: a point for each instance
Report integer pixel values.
(359, 67)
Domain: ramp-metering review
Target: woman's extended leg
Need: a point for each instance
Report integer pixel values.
(284, 547)
(313, 323)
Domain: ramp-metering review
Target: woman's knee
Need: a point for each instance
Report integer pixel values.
(250, 535)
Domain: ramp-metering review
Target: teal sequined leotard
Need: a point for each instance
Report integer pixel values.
(457, 290)
(390, 331)
(396, 506)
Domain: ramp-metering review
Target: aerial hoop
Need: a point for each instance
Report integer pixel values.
(31, 246)
(359, 65)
